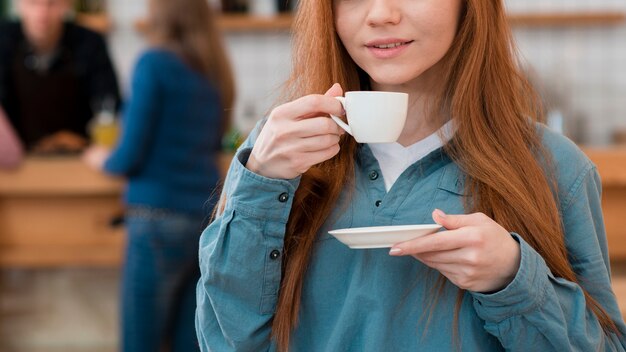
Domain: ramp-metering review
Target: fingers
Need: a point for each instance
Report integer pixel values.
(439, 241)
(322, 155)
(317, 143)
(316, 126)
(298, 135)
(452, 222)
(456, 256)
(307, 105)
(334, 91)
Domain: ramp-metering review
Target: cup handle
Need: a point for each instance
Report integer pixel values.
(337, 120)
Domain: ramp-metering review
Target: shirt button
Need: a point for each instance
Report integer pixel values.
(283, 197)
(274, 254)
(373, 175)
(378, 203)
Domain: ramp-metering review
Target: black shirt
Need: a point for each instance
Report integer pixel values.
(40, 102)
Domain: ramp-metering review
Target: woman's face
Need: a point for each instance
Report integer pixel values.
(396, 41)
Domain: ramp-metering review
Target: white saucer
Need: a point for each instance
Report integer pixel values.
(381, 236)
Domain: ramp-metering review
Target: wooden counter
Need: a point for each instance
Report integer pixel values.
(58, 212)
(611, 163)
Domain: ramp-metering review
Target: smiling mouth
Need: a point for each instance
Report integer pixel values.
(390, 45)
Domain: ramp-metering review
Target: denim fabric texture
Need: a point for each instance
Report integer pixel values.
(366, 300)
(159, 280)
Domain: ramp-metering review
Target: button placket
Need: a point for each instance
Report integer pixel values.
(271, 281)
(373, 175)
(275, 254)
(283, 197)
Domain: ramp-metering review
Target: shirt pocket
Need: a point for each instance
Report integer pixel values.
(451, 194)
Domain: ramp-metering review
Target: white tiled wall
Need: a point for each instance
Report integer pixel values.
(586, 66)
(260, 60)
(261, 63)
(564, 5)
(583, 65)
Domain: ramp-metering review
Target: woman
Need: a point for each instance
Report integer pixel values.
(522, 263)
(182, 94)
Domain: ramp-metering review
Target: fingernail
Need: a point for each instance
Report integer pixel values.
(395, 251)
(440, 213)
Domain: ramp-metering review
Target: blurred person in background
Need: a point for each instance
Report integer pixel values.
(181, 97)
(53, 74)
(10, 147)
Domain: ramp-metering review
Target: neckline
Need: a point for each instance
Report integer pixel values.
(422, 147)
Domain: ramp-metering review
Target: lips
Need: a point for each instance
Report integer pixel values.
(390, 45)
(387, 48)
(384, 43)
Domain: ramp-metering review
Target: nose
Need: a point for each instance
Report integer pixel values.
(383, 12)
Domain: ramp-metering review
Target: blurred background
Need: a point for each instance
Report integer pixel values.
(61, 228)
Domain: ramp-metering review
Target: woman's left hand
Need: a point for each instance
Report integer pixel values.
(95, 156)
(475, 252)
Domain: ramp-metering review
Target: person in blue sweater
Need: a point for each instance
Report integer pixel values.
(521, 263)
(181, 96)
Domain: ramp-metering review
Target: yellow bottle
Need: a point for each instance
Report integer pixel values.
(104, 129)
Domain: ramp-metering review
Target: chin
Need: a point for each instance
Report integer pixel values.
(394, 79)
(394, 76)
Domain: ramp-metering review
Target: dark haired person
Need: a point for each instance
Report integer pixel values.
(53, 75)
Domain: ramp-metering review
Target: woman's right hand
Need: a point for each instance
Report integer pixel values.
(298, 135)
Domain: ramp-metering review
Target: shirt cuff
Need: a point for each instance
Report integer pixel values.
(259, 196)
(525, 293)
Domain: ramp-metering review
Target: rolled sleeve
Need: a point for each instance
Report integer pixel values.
(539, 311)
(525, 293)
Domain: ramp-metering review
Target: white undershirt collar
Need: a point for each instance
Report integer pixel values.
(393, 158)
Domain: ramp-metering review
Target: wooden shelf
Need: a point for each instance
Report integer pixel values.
(567, 19)
(100, 23)
(242, 23)
(239, 23)
(245, 23)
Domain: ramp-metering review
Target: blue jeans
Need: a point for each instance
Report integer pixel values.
(159, 280)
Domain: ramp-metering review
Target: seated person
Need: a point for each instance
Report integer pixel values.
(53, 75)
(10, 146)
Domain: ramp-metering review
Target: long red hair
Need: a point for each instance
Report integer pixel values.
(494, 108)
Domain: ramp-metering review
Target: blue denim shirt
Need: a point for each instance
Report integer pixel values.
(366, 300)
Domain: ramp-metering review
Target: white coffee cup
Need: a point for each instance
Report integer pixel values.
(374, 116)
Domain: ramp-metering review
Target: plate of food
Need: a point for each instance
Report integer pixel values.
(382, 236)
